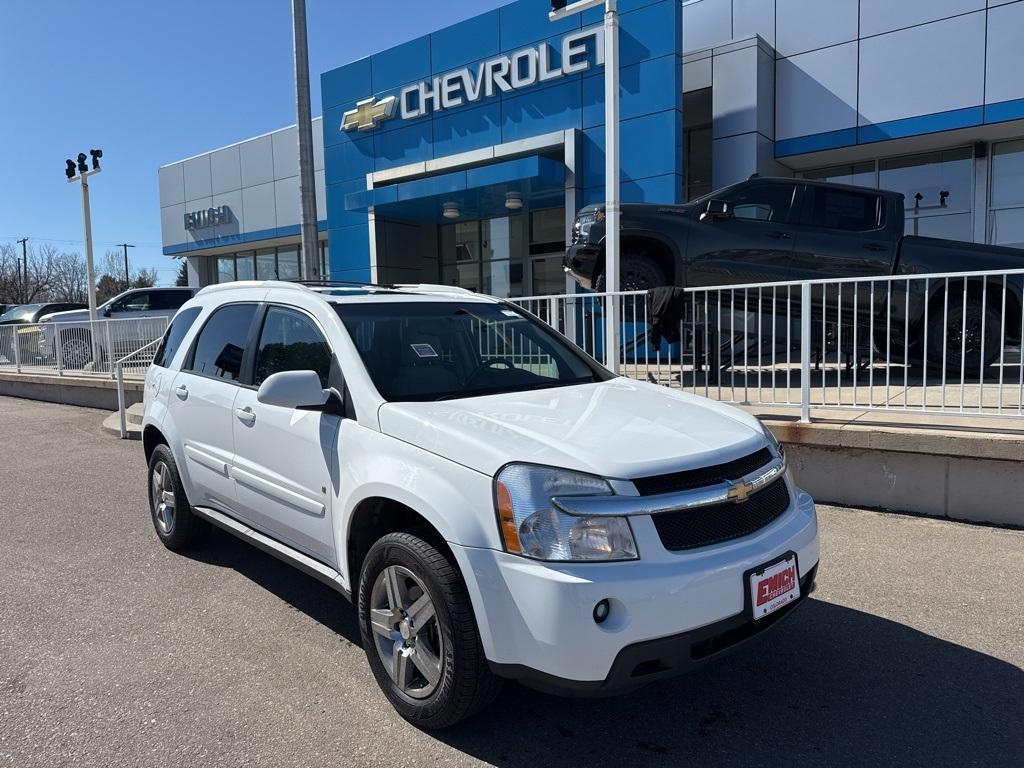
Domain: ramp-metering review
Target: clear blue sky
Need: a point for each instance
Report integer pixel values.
(153, 82)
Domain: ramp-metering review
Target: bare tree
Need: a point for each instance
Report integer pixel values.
(70, 279)
(111, 280)
(24, 280)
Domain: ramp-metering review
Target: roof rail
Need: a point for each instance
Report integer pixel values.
(436, 288)
(239, 284)
(338, 284)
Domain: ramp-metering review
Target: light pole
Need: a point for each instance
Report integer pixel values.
(127, 274)
(24, 267)
(84, 172)
(559, 10)
(307, 183)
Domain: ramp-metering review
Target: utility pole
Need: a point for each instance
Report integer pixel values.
(127, 277)
(83, 175)
(24, 267)
(307, 183)
(560, 9)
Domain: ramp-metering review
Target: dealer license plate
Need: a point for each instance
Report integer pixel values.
(774, 586)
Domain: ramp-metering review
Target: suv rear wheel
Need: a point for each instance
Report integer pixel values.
(419, 633)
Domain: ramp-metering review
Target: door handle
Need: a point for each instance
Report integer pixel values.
(182, 392)
(246, 416)
(779, 235)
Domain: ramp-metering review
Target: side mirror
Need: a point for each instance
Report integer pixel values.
(106, 311)
(293, 389)
(716, 209)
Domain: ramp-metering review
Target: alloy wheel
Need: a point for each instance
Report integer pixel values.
(163, 497)
(405, 631)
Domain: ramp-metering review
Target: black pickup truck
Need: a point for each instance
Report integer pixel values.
(767, 230)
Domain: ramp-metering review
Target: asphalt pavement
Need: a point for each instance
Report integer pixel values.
(116, 652)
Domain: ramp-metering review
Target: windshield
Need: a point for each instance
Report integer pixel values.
(448, 350)
(24, 312)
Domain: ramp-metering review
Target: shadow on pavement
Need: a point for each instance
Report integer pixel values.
(316, 600)
(830, 686)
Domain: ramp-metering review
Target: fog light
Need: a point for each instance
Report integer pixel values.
(601, 611)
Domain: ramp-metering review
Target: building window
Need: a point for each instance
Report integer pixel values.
(937, 187)
(288, 264)
(284, 263)
(697, 143)
(1006, 209)
(266, 264)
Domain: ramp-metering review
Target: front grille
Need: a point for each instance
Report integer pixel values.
(698, 527)
(698, 478)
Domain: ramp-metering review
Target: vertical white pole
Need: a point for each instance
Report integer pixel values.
(611, 172)
(89, 270)
(805, 352)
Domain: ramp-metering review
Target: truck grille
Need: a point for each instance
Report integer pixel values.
(698, 527)
(698, 478)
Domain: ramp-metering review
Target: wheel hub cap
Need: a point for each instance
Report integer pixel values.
(405, 631)
(162, 497)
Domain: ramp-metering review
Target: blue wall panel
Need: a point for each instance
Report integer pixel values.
(400, 65)
(527, 22)
(462, 43)
(466, 129)
(346, 84)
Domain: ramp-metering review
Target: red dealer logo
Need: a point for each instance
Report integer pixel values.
(775, 585)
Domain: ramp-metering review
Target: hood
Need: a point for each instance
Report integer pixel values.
(617, 429)
(70, 315)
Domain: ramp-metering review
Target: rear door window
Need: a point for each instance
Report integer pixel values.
(175, 334)
(847, 210)
(220, 347)
(169, 299)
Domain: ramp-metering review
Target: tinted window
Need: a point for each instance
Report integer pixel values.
(173, 337)
(447, 350)
(133, 302)
(221, 343)
(842, 209)
(168, 299)
(761, 202)
(290, 341)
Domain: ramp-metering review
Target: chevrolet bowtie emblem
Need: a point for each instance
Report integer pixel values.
(368, 114)
(740, 491)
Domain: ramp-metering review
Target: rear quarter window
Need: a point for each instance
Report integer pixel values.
(174, 335)
(847, 210)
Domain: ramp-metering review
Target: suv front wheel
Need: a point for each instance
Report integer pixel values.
(419, 633)
(175, 524)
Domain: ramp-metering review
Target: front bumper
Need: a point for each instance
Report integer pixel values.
(581, 262)
(672, 609)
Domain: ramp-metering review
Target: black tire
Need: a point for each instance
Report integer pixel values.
(957, 348)
(75, 348)
(637, 273)
(464, 683)
(182, 529)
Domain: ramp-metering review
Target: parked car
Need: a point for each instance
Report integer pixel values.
(775, 229)
(28, 335)
(494, 502)
(72, 335)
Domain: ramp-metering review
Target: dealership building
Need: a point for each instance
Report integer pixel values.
(460, 157)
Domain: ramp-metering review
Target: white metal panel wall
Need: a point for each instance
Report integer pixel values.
(806, 25)
(706, 23)
(878, 16)
(257, 179)
(922, 70)
(817, 91)
(1005, 54)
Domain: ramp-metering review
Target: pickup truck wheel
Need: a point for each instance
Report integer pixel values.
(638, 272)
(75, 349)
(176, 526)
(419, 633)
(963, 339)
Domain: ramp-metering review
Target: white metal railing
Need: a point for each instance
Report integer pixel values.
(78, 347)
(945, 343)
(137, 361)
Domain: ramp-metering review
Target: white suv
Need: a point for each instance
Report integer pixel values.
(495, 503)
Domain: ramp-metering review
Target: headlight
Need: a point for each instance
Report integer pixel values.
(531, 525)
(772, 441)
